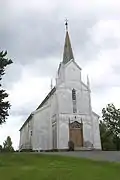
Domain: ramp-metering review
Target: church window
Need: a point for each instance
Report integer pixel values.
(74, 100)
(74, 95)
(74, 107)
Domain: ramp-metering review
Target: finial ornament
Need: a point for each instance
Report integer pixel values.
(66, 24)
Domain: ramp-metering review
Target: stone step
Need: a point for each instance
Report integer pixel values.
(83, 148)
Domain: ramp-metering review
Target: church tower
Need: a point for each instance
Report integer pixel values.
(75, 116)
(67, 58)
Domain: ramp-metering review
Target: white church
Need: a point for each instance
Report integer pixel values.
(65, 114)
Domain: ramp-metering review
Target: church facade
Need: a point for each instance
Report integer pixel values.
(65, 114)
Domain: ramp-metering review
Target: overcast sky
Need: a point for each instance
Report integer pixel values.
(33, 32)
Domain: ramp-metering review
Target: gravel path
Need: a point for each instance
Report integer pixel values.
(112, 156)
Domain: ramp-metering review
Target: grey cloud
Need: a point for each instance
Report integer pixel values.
(30, 35)
(12, 75)
(109, 81)
(24, 111)
(31, 38)
(116, 69)
(111, 43)
(33, 35)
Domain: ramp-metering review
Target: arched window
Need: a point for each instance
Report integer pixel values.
(74, 95)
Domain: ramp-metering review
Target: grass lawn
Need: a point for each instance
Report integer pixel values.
(25, 166)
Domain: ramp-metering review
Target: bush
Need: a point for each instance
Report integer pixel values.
(71, 146)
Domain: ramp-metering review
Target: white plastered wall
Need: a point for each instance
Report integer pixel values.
(63, 133)
(96, 132)
(42, 127)
(41, 138)
(25, 135)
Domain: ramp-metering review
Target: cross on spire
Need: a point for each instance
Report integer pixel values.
(66, 24)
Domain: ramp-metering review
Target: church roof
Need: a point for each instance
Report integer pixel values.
(95, 114)
(42, 103)
(68, 53)
(47, 97)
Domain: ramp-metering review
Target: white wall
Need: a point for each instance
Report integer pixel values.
(72, 72)
(64, 100)
(43, 119)
(96, 132)
(25, 135)
(63, 133)
(87, 134)
(61, 74)
(83, 101)
(53, 107)
(41, 139)
(72, 79)
(41, 126)
(68, 72)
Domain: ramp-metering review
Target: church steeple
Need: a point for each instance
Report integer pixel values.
(68, 53)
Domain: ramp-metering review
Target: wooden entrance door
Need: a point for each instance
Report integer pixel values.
(76, 133)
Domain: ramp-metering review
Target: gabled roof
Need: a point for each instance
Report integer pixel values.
(72, 60)
(95, 114)
(42, 103)
(27, 120)
(47, 97)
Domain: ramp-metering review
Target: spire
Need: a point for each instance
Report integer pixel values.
(68, 53)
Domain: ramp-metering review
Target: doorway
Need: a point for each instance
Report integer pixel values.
(76, 133)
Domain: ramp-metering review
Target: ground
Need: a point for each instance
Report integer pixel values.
(29, 166)
(112, 156)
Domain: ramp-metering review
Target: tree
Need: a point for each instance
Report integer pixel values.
(0, 148)
(111, 118)
(4, 105)
(7, 145)
(106, 137)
